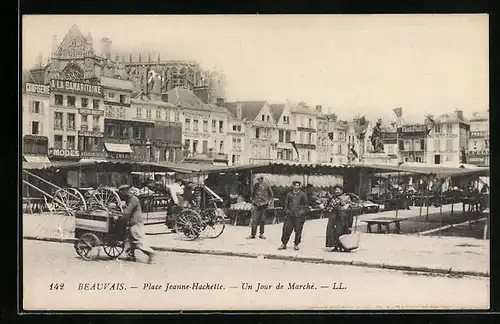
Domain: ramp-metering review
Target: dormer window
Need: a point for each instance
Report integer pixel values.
(263, 118)
(268, 118)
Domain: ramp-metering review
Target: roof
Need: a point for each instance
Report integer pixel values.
(249, 109)
(35, 75)
(231, 108)
(146, 101)
(277, 110)
(451, 118)
(187, 99)
(300, 109)
(117, 166)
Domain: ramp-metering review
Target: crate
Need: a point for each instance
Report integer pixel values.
(95, 221)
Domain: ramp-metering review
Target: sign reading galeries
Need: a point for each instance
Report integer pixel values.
(78, 87)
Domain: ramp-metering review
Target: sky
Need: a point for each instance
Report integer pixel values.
(349, 64)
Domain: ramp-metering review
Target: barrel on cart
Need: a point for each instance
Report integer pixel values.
(97, 229)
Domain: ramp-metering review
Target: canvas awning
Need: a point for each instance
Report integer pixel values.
(36, 159)
(118, 147)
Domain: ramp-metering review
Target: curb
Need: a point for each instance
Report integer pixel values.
(317, 260)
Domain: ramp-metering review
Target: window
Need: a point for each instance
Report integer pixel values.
(70, 145)
(58, 142)
(205, 126)
(417, 146)
(449, 144)
(301, 137)
(139, 112)
(437, 130)
(71, 121)
(233, 159)
(308, 156)
(85, 102)
(449, 128)
(35, 107)
(95, 124)
(263, 118)
(214, 126)
(35, 128)
(58, 100)
(195, 125)
(281, 136)
(122, 99)
(158, 114)
(195, 146)
(187, 124)
(422, 144)
(237, 128)
(401, 145)
(187, 144)
(177, 116)
(95, 103)
(121, 112)
(221, 147)
(58, 120)
(288, 135)
(71, 101)
(267, 117)
(436, 145)
(310, 123)
(167, 114)
(418, 159)
(204, 147)
(280, 155)
(286, 120)
(221, 126)
(339, 149)
(309, 138)
(148, 113)
(257, 132)
(486, 144)
(111, 94)
(84, 124)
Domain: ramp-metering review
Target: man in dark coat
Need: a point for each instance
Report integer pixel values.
(296, 207)
(262, 198)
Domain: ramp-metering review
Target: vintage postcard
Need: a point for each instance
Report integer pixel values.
(255, 162)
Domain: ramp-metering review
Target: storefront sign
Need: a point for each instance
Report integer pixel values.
(36, 138)
(64, 153)
(93, 154)
(119, 156)
(306, 129)
(88, 133)
(77, 87)
(168, 124)
(413, 129)
(37, 88)
(92, 112)
(305, 146)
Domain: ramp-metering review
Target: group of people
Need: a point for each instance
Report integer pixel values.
(295, 208)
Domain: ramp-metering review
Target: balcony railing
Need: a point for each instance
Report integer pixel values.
(70, 127)
(58, 127)
(84, 127)
(92, 112)
(478, 134)
(96, 129)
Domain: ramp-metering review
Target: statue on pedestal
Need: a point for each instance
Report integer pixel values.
(378, 146)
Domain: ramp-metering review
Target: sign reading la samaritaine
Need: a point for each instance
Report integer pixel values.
(78, 87)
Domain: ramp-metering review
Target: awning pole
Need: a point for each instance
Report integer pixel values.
(421, 191)
(397, 205)
(441, 209)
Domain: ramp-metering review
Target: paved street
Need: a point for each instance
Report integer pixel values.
(45, 263)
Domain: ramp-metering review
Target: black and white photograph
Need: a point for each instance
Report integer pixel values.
(254, 162)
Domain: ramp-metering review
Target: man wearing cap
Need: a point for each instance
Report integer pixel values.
(133, 215)
(262, 198)
(296, 207)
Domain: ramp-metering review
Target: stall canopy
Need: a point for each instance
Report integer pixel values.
(107, 166)
(439, 172)
(118, 147)
(284, 168)
(36, 159)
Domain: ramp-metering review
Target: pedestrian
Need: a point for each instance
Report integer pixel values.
(296, 207)
(338, 220)
(262, 198)
(133, 216)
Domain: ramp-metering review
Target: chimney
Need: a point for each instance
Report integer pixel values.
(460, 114)
(319, 108)
(202, 93)
(106, 47)
(220, 101)
(164, 97)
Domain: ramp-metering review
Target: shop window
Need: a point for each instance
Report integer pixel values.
(71, 101)
(58, 100)
(70, 144)
(95, 103)
(35, 128)
(85, 102)
(58, 120)
(71, 121)
(58, 142)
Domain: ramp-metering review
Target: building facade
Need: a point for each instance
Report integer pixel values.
(304, 120)
(36, 126)
(412, 143)
(479, 139)
(322, 139)
(448, 139)
(338, 144)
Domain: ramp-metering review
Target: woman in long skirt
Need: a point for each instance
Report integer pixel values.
(336, 219)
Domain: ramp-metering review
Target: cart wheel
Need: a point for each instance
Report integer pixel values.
(214, 222)
(114, 249)
(105, 198)
(67, 201)
(188, 224)
(88, 246)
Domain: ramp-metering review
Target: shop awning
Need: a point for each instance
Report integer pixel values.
(118, 148)
(36, 159)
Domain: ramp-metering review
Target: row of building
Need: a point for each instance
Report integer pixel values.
(83, 105)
